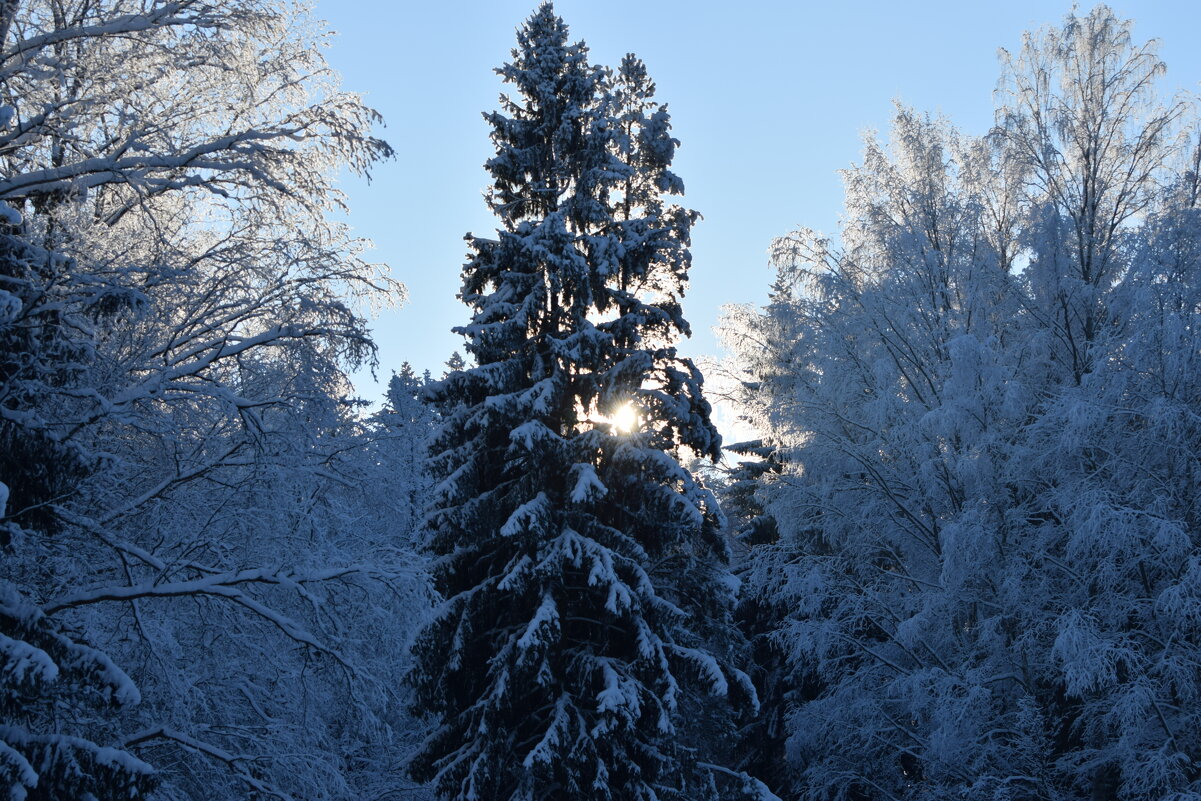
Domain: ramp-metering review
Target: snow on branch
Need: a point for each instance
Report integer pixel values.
(226, 585)
(165, 15)
(239, 763)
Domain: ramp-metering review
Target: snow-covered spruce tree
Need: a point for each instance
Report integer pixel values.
(760, 740)
(50, 679)
(454, 364)
(576, 554)
(405, 425)
(52, 683)
(754, 461)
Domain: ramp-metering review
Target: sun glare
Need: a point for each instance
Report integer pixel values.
(625, 418)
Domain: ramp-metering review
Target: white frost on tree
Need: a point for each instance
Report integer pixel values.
(188, 484)
(984, 399)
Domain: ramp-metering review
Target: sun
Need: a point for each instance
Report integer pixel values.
(625, 418)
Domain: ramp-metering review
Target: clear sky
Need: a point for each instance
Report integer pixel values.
(769, 98)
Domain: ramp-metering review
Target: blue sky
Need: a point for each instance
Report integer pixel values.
(769, 99)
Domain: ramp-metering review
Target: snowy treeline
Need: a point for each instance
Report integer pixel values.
(975, 560)
(967, 551)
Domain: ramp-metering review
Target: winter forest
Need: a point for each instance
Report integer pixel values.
(961, 559)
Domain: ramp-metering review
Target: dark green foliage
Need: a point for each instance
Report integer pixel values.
(47, 676)
(43, 351)
(581, 562)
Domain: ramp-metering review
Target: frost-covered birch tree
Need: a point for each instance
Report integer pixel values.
(981, 399)
(580, 561)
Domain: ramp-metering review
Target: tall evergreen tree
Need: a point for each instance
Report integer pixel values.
(576, 553)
